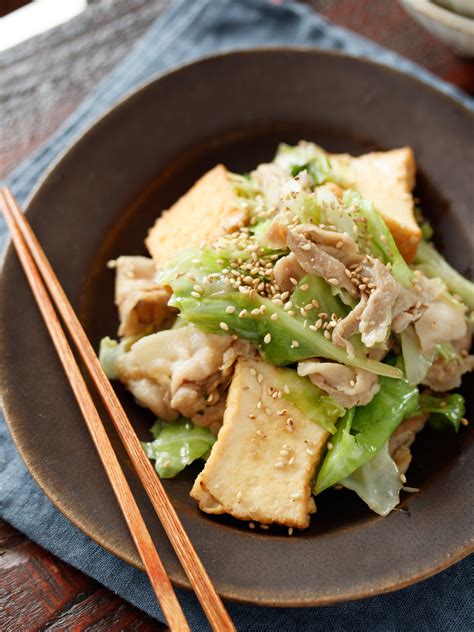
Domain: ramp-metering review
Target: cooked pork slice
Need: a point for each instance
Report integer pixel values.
(444, 375)
(346, 385)
(142, 303)
(207, 211)
(442, 321)
(349, 326)
(402, 439)
(315, 260)
(177, 371)
(376, 318)
(263, 462)
(285, 269)
(387, 179)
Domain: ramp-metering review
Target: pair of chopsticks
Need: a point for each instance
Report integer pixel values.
(42, 280)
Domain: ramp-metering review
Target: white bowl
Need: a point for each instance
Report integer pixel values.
(457, 31)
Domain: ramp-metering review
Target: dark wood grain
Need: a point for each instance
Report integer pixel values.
(40, 592)
(41, 82)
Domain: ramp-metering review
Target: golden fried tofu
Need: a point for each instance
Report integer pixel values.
(262, 465)
(207, 211)
(387, 179)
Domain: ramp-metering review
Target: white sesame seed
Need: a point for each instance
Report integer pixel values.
(291, 313)
(251, 525)
(304, 287)
(309, 451)
(224, 326)
(268, 411)
(295, 495)
(243, 313)
(259, 432)
(267, 339)
(284, 453)
(403, 478)
(278, 465)
(239, 497)
(274, 316)
(290, 531)
(252, 416)
(264, 526)
(253, 371)
(294, 344)
(291, 460)
(293, 281)
(286, 388)
(333, 281)
(327, 334)
(230, 309)
(288, 306)
(259, 378)
(330, 445)
(195, 295)
(306, 247)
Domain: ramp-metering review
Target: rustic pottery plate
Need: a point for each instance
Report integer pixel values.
(97, 203)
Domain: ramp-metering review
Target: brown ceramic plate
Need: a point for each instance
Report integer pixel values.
(97, 203)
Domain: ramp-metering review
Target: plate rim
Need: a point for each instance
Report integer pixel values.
(451, 557)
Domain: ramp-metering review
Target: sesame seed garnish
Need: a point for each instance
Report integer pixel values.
(267, 339)
(329, 445)
(286, 388)
(294, 344)
(284, 452)
(282, 412)
(260, 433)
(251, 525)
(291, 460)
(333, 281)
(224, 326)
(309, 451)
(230, 309)
(339, 244)
(293, 281)
(195, 294)
(352, 382)
(243, 313)
(306, 247)
(274, 316)
(295, 495)
(291, 313)
(327, 334)
(252, 416)
(253, 371)
(288, 306)
(464, 421)
(259, 378)
(239, 497)
(264, 526)
(268, 411)
(290, 531)
(278, 465)
(304, 287)
(259, 405)
(403, 478)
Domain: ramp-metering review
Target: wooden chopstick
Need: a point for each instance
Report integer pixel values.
(25, 240)
(140, 534)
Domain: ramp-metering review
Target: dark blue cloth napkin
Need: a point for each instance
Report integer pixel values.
(187, 30)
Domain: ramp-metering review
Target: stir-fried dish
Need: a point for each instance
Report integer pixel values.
(295, 328)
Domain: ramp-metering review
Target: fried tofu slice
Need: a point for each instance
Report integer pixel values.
(262, 465)
(387, 179)
(207, 211)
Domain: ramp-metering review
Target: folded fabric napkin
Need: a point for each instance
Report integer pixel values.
(187, 30)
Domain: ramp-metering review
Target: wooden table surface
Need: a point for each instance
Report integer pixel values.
(42, 81)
